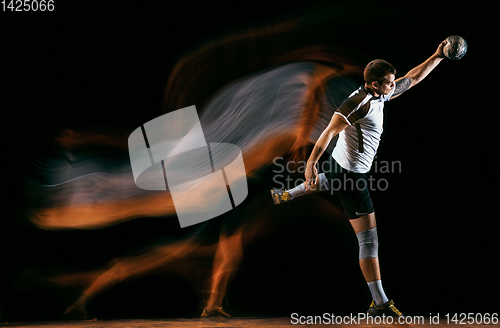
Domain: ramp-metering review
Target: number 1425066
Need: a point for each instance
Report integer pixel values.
(28, 5)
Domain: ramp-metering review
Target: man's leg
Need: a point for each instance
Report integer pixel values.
(369, 266)
(365, 228)
(283, 196)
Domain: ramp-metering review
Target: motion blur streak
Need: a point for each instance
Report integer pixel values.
(267, 115)
(97, 136)
(269, 95)
(184, 256)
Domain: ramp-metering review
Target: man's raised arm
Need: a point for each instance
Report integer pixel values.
(418, 73)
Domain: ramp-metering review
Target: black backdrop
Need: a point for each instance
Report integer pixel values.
(109, 63)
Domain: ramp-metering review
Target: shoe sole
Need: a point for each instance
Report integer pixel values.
(272, 196)
(276, 198)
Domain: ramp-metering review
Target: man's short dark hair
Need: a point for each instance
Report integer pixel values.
(377, 69)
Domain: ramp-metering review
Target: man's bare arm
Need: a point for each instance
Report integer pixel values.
(418, 73)
(336, 125)
(402, 84)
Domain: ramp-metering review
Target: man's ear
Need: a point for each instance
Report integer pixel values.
(375, 84)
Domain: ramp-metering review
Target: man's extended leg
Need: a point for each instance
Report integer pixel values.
(283, 196)
(365, 228)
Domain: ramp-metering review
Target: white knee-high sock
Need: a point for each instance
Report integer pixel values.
(297, 191)
(300, 190)
(377, 291)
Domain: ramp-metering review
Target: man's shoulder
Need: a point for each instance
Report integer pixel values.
(355, 99)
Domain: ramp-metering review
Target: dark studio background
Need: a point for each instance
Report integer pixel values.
(108, 65)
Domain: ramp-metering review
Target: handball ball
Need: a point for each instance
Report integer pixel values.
(455, 48)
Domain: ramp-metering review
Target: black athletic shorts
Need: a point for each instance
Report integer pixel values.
(351, 188)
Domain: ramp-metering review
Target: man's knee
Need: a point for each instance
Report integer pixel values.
(364, 222)
(368, 243)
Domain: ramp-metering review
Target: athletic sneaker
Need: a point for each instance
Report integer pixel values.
(218, 312)
(280, 196)
(388, 309)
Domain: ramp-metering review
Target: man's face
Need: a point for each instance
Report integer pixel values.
(386, 86)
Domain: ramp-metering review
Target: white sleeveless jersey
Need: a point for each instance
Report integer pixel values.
(358, 143)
